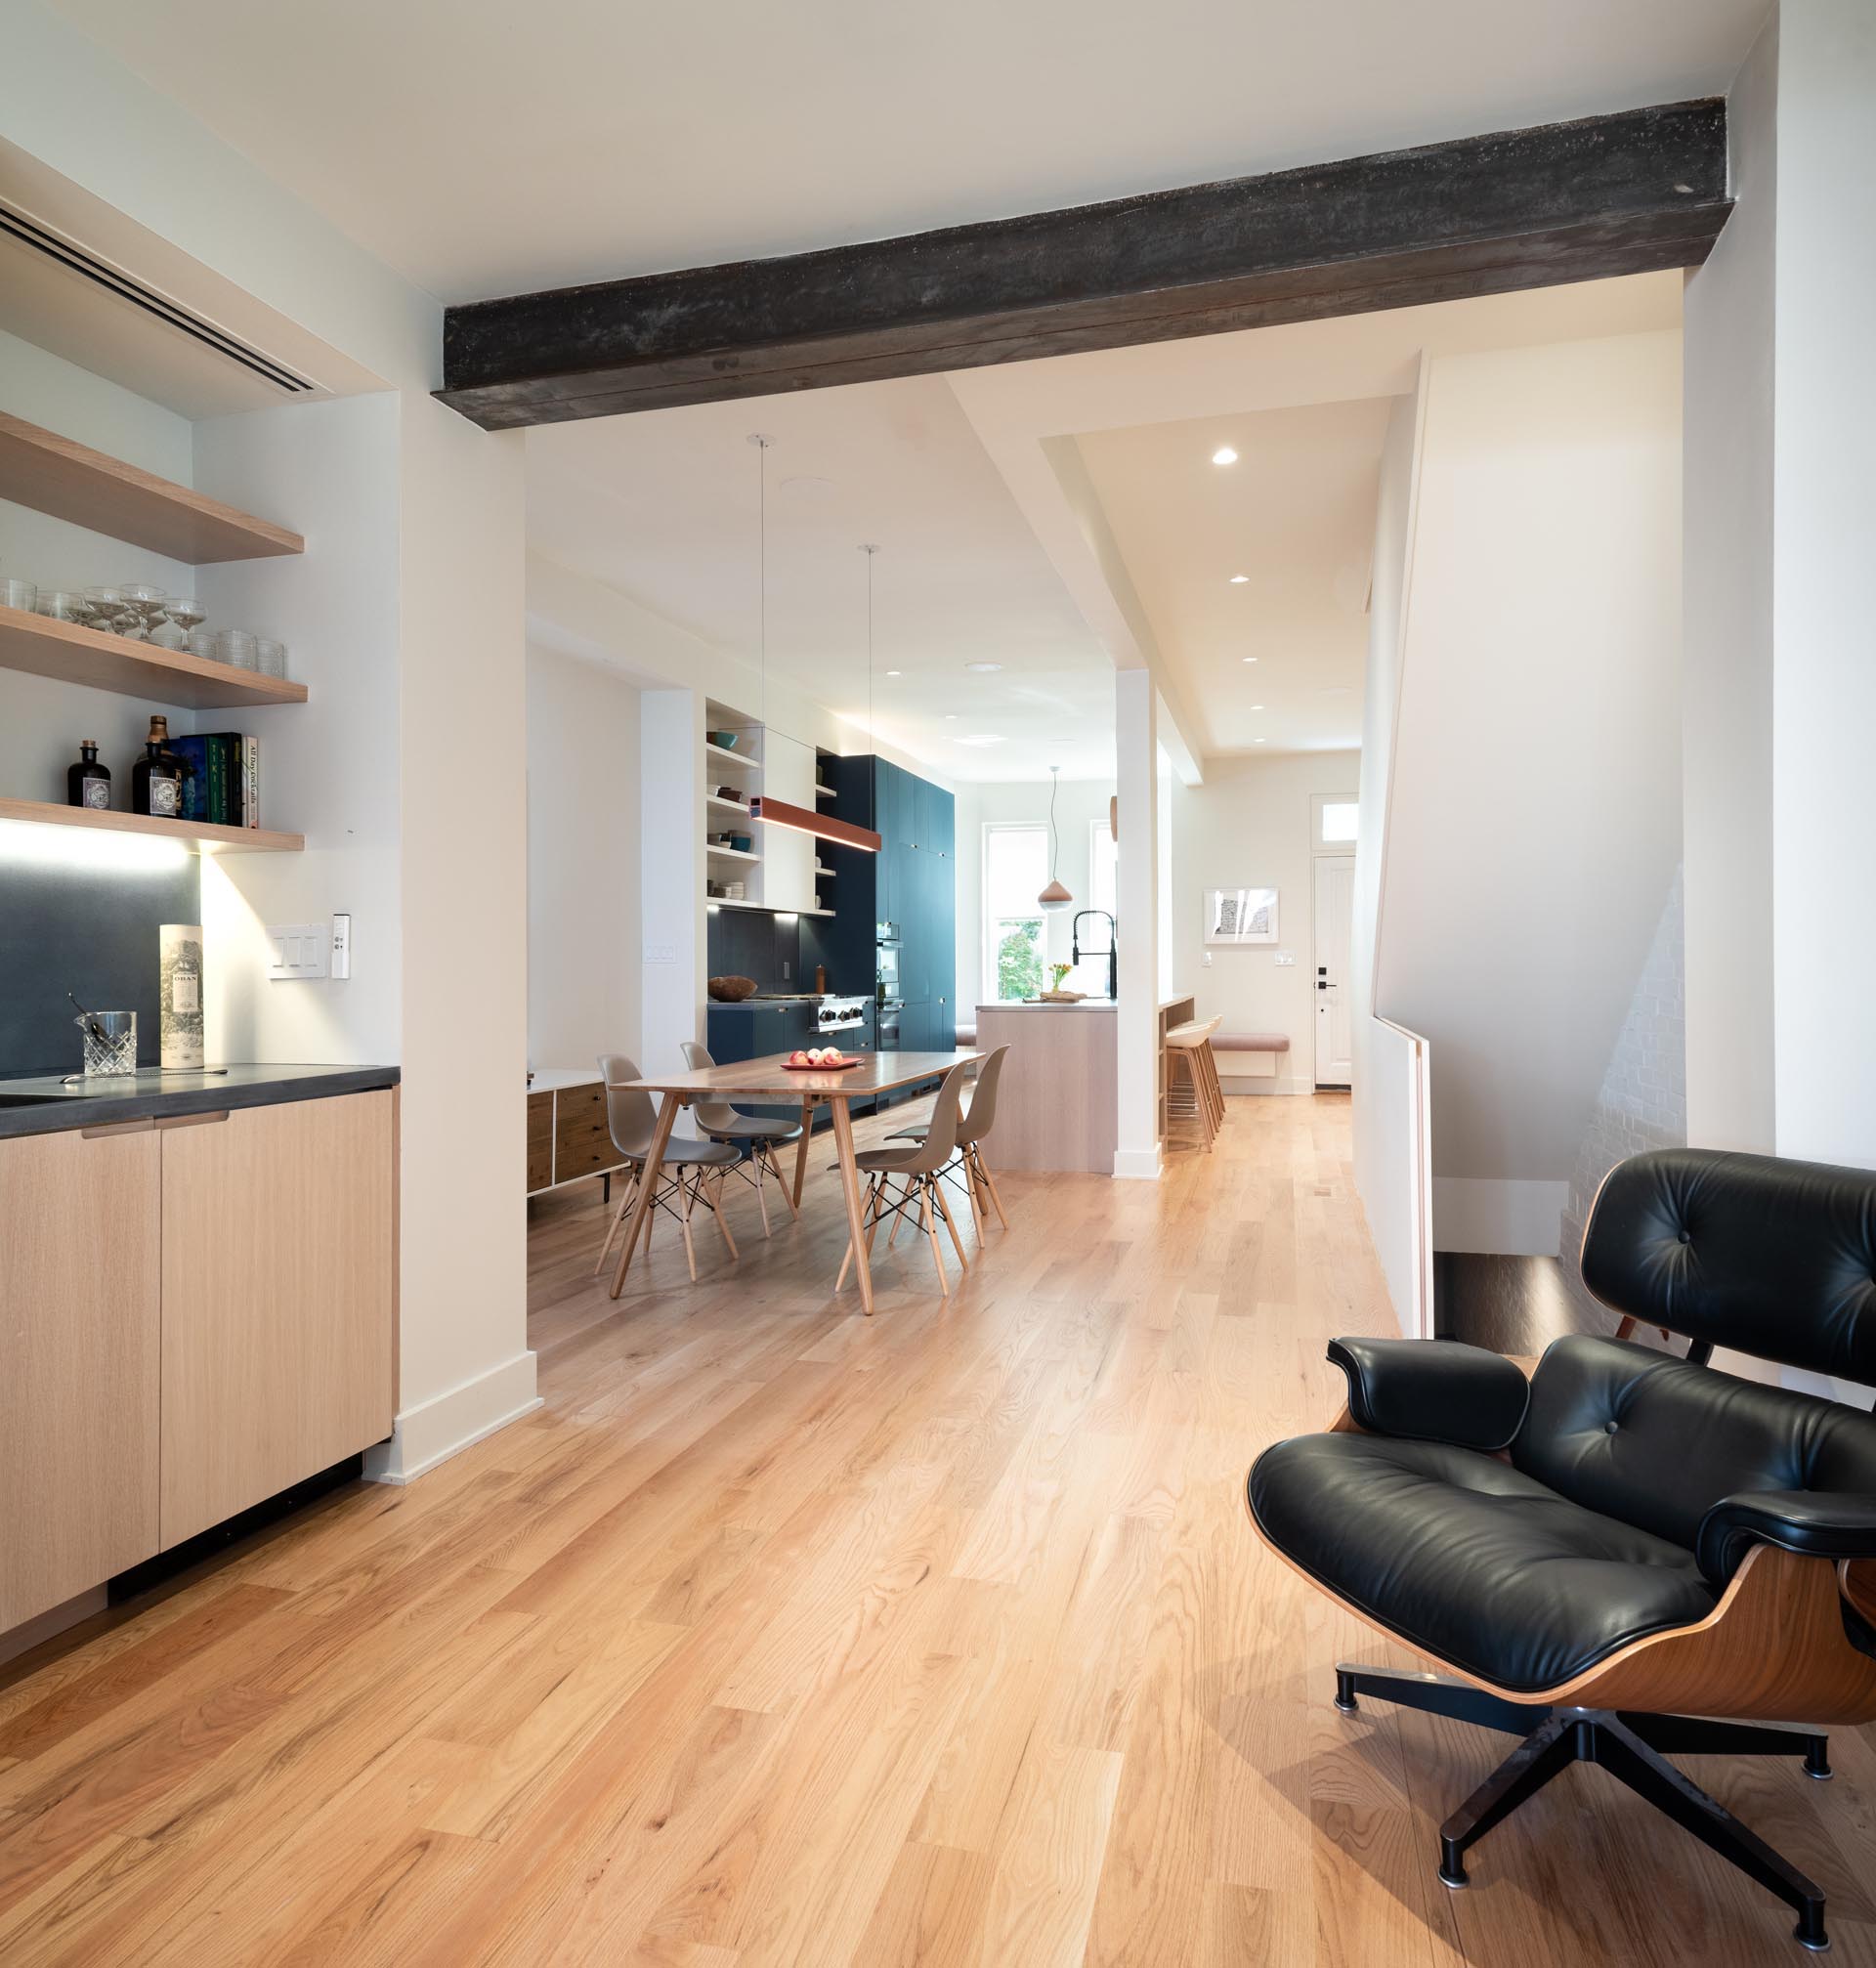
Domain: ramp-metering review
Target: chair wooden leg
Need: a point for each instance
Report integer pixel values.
(684, 1219)
(893, 1233)
(627, 1189)
(928, 1218)
(990, 1182)
(976, 1197)
(721, 1215)
(760, 1168)
(781, 1181)
(944, 1210)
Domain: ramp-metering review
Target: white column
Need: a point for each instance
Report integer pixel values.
(670, 730)
(1136, 748)
(1781, 804)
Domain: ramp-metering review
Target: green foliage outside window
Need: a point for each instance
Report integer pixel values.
(1019, 959)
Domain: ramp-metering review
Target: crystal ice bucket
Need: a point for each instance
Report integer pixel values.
(110, 1042)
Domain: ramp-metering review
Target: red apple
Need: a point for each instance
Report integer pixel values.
(798, 1058)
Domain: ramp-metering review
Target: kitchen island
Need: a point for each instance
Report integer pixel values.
(1057, 1107)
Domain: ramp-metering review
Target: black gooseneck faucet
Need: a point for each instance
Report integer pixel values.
(1113, 946)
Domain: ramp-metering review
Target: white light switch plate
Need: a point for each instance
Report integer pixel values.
(295, 950)
(661, 952)
(1285, 957)
(341, 943)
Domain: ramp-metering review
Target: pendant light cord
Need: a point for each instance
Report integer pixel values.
(1054, 838)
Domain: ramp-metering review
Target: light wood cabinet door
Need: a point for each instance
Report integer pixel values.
(79, 1321)
(278, 1299)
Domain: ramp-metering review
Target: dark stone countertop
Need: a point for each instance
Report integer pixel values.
(153, 1095)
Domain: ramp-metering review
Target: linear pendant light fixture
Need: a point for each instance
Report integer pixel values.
(1055, 896)
(770, 811)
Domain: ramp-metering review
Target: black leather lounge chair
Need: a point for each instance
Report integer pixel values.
(1627, 1541)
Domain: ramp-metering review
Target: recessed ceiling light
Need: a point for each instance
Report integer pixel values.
(1257, 741)
(950, 717)
(1250, 658)
(1237, 579)
(983, 669)
(892, 672)
(981, 738)
(1225, 455)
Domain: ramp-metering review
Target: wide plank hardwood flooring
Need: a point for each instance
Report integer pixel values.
(784, 1636)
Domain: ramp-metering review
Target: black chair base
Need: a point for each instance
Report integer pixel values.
(1628, 1746)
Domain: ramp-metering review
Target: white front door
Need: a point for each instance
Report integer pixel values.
(1335, 920)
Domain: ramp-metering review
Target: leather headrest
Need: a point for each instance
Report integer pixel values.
(1771, 1258)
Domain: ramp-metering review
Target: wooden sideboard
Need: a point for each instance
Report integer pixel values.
(568, 1139)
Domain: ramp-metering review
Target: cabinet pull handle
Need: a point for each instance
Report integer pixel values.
(110, 1128)
(192, 1120)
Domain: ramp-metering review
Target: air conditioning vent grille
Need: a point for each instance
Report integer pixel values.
(15, 225)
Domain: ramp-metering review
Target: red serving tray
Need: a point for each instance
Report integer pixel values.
(852, 1059)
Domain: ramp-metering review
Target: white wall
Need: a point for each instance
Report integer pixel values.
(1726, 713)
(1535, 802)
(329, 768)
(1823, 690)
(583, 835)
(1250, 825)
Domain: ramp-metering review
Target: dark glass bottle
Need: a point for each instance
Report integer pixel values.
(156, 780)
(88, 784)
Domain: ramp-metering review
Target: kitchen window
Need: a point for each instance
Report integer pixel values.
(1015, 944)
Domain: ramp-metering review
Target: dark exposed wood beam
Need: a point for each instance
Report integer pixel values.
(1625, 194)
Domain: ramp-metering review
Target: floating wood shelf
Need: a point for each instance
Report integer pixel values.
(74, 653)
(70, 480)
(734, 758)
(729, 853)
(196, 835)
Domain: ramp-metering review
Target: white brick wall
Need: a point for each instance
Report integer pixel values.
(1644, 1098)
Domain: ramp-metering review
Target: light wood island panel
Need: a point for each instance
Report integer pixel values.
(1058, 1105)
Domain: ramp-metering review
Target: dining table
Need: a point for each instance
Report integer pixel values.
(773, 1081)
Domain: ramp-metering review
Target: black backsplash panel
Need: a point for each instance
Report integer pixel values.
(90, 929)
(751, 943)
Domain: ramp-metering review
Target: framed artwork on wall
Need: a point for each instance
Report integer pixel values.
(1237, 916)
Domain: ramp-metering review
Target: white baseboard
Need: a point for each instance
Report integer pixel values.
(1244, 1084)
(1138, 1165)
(1511, 1218)
(449, 1423)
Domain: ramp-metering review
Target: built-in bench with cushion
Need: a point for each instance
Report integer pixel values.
(1249, 1055)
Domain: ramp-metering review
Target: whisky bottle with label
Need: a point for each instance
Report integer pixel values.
(88, 784)
(156, 780)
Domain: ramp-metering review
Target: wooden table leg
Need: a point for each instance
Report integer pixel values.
(801, 1153)
(850, 1183)
(654, 1162)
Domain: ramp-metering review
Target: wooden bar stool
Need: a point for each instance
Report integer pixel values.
(1188, 1051)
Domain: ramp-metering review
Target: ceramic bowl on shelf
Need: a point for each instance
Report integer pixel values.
(724, 739)
(730, 990)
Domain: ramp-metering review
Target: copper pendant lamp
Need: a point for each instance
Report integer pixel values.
(1055, 896)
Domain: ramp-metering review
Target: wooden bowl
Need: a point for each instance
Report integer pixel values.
(730, 990)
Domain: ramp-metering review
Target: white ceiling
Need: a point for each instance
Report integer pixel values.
(1295, 515)
(484, 149)
(986, 555)
(663, 507)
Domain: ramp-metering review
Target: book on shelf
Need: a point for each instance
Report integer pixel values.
(221, 776)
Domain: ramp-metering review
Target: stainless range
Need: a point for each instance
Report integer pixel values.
(841, 1014)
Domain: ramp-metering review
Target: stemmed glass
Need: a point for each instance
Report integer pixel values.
(103, 608)
(182, 612)
(142, 606)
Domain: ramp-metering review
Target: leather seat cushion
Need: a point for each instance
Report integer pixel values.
(1470, 1560)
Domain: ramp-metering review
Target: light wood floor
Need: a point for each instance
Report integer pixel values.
(781, 1636)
